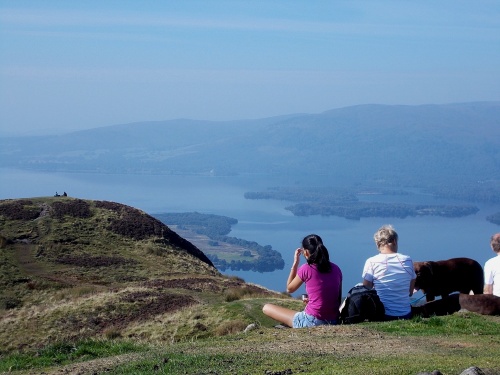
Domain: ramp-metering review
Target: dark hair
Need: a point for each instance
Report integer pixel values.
(318, 253)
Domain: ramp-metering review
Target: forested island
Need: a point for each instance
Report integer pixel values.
(358, 210)
(346, 203)
(209, 233)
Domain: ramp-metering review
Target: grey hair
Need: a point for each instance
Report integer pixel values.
(495, 242)
(385, 235)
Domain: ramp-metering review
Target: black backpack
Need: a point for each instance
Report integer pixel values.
(362, 304)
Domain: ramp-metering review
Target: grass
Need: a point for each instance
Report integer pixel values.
(63, 353)
(299, 351)
(449, 343)
(465, 324)
(172, 363)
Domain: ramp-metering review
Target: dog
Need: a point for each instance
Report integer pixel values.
(443, 277)
(484, 304)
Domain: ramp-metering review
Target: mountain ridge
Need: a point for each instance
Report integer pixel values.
(419, 145)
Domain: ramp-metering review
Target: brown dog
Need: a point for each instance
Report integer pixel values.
(485, 304)
(443, 277)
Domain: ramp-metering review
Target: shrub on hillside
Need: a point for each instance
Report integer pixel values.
(10, 303)
(134, 224)
(112, 206)
(74, 208)
(20, 210)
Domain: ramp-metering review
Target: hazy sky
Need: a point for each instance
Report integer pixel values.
(67, 65)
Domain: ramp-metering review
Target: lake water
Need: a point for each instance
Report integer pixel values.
(267, 222)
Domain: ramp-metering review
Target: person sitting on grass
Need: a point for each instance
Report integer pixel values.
(392, 275)
(492, 268)
(323, 286)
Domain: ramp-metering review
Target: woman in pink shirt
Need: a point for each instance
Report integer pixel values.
(323, 285)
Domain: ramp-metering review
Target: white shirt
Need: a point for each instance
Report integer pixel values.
(391, 275)
(492, 274)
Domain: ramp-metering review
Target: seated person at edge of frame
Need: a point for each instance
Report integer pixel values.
(492, 268)
(323, 285)
(391, 274)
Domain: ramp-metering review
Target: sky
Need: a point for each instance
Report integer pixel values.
(71, 65)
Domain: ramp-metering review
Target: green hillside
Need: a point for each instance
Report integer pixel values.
(90, 269)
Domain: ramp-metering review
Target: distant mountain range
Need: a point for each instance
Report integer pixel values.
(399, 145)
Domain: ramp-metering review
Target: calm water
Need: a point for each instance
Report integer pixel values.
(267, 222)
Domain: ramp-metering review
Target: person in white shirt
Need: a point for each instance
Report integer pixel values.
(492, 269)
(391, 274)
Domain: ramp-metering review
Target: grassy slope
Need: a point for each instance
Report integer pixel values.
(79, 296)
(91, 270)
(450, 344)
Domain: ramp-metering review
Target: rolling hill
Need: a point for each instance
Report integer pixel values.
(74, 269)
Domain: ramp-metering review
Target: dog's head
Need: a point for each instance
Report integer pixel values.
(424, 271)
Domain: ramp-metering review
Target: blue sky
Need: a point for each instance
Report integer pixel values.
(68, 65)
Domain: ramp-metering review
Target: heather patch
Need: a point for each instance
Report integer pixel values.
(73, 207)
(21, 209)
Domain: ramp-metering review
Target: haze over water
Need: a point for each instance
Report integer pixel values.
(267, 222)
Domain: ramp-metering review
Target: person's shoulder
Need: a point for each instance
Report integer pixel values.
(303, 267)
(306, 267)
(495, 260)
(375, 258)
(404, 256)
(335, 266)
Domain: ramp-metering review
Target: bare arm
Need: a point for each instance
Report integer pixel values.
(412, 286)
(368, 284)
(488, 289)
(294, 282)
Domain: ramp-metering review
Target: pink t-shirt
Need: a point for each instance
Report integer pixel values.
(323, 290)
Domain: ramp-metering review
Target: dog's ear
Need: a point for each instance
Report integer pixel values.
(423, 269)
(429, 265)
